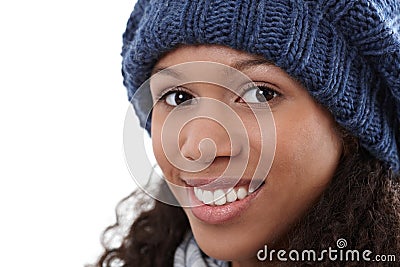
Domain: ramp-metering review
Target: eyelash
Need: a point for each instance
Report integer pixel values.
(259, 85)
(164, 94)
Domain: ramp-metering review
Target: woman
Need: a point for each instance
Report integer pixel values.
(328, 74)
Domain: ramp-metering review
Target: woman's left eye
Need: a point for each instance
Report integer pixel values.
(259, 94)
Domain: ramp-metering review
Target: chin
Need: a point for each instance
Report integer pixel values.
(229, 242)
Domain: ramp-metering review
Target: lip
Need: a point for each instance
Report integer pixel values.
(215, 183)
(221, 214)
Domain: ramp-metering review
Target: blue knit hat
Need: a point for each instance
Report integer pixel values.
(346, 53)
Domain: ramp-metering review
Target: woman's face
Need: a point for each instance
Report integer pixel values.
(307, 152)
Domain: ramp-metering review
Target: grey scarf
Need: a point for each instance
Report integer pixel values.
(188, 254)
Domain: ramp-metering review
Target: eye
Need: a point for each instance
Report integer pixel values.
(178, 97)
(259, 94)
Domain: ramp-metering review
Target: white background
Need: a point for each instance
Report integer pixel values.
(62, 108)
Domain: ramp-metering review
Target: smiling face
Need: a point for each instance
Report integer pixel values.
(235, 224)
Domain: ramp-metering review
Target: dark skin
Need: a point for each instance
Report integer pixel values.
(305, 133)
(360, 202)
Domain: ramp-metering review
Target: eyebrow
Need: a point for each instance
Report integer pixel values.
(249, 63)
(240, 65)
(167, 71)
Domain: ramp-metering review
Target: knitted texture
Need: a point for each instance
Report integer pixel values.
(346, 53)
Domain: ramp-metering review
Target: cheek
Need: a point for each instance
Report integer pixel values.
(308, 147)
(306, 157)
(156, 131)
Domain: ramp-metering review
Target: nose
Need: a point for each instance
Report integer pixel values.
(204, 139)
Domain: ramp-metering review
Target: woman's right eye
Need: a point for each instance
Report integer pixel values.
(178, 97)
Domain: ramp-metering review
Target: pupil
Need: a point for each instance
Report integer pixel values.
(263, 95)
(181, 97)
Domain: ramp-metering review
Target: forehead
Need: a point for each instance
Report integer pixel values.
(213, 53)
(254, 66)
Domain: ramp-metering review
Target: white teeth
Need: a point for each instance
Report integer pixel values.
(220, 197)
(231, 196)
(198, 192)
(208, 197)
(242, 193)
